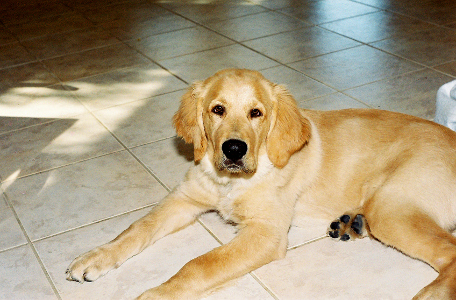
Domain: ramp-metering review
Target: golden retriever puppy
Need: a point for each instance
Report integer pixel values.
(263, 163)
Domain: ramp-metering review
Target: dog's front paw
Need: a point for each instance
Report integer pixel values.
(348, 227)
(91, 265)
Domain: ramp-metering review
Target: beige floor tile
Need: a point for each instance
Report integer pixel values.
(82, 193)
(256, 26)
(169, 159)
(12, 235)
(273, 4)
(93, 62)
(69, 42)
(142, 121)
(440, 12)
(448, 68)
(28, 75)
(243, 288)
(18, 5)
(434, 11)
(201, 65)
(35, 100)
(346, 270)
(300, 44)
(412, 94)
(31, 11)
(430, 47)
(131, 11)
(332, 102)
(88, 4)
(6, 37)
(9, 124)
(299, 85)
(14, 54)
(376, 26)
(210, 12)
(139, 29)
(50, 25)
(318, 12)
(124, 85)
(168, 45)
(396, 6)
(354, 67)
(22, 276)
(221, 229)
(53, 144)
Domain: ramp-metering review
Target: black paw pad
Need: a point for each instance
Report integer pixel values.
(357, 225)
(335, 225)
(334, 234)
(345, 237)
(345, 219)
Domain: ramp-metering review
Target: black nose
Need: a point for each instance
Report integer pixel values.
(234, 149)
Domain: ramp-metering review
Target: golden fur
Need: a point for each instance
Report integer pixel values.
(397, 171)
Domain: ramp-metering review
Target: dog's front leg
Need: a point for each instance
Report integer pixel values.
(256, 245)
(173, 213)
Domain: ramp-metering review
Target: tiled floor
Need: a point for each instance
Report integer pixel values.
(87, 90)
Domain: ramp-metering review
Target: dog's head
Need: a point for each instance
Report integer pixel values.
(236, 115)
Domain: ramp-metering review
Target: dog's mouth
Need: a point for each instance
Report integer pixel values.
(233, 166)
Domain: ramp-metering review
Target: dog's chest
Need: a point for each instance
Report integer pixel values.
(228, 194)
(225, 208)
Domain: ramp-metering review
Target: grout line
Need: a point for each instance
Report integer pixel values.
(307, 242)
(32, 246)
(157, 63)
(219, 20)
(127, 149)
(154, 141)
(42, 59)
(95, 222)
(89, 110)
(404, 14)
(62, 166)
(263, 285)
(13, 247)
(318, 26)
(287, 64)
(51, 120)
(209, 231)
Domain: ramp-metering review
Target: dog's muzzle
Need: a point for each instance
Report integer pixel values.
(234, 150)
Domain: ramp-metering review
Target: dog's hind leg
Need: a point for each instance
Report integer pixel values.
(413, 232)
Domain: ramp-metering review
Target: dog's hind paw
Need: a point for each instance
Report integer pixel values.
(348, 227)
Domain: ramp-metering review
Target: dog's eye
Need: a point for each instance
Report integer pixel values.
(218, 110)
(255, 113)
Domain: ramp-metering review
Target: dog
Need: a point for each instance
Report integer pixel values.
(262, 163)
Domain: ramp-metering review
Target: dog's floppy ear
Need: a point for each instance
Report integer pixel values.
(289, 130)
(188, 120)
